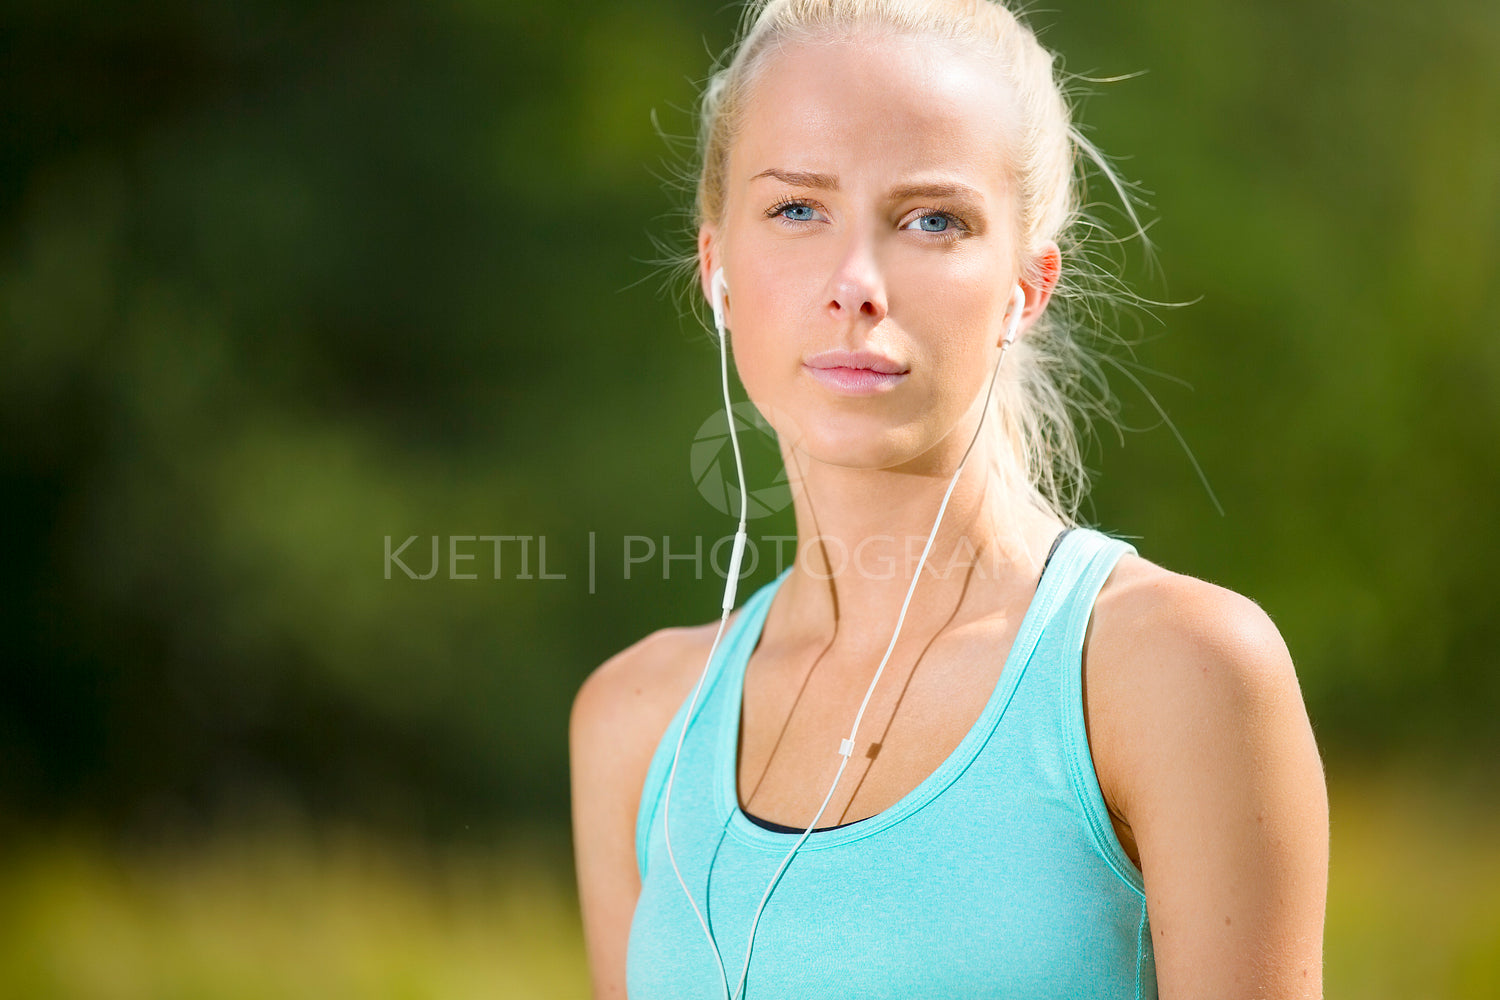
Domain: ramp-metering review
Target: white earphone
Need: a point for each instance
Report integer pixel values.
(1013, 316)
(718, 288)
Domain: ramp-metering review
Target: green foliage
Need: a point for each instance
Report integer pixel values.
(281, 281)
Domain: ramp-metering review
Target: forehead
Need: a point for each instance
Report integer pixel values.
(877, 104)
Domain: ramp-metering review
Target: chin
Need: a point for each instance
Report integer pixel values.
(857, 443)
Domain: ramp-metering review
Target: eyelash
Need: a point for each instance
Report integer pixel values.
(957, 226)
(786, 203)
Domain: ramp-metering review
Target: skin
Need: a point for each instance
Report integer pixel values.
(870, 206)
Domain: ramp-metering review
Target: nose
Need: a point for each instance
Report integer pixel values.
(857, 290)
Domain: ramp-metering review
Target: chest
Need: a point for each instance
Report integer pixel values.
(988, 882)
(798, 706)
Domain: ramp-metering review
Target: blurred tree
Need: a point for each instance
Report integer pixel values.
(280, 281)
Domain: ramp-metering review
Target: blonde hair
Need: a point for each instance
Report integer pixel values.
(1047, 376)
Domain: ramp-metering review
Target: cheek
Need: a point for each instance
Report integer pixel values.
(774, 275)
(769, 304)
(954, 306)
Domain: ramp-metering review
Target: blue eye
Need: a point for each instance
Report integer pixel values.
(798, 213)
(933, 223)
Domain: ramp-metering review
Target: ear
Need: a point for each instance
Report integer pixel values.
(1038, 282)
(707, 261)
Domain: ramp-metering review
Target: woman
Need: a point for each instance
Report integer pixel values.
(1129, 802)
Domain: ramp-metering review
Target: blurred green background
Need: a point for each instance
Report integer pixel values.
(283, 285)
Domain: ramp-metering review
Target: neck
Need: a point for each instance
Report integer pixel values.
(861, 534)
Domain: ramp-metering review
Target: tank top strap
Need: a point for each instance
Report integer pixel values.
(1088, 558)
(1083, 562)
(1052, 633)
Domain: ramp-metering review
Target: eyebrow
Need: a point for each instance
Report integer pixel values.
(801, 178)
(830, 182)
(936, 191)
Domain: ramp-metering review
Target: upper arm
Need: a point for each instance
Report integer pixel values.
(1206, 749)
(618, 717)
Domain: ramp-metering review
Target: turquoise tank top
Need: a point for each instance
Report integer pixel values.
(997, 876)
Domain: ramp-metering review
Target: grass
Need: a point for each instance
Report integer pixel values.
(287, 916)
(1414, 890)
(1414, 912)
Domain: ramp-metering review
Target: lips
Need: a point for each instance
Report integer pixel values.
(855, 373)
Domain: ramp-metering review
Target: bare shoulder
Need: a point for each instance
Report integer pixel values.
(619, 715)
(1151, 619)
(1206, 758)
(633, 695)
(1168, 656)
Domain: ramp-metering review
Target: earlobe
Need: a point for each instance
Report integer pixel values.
(711, 277)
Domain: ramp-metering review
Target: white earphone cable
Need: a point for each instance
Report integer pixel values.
(727, 605)
(846, 746)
